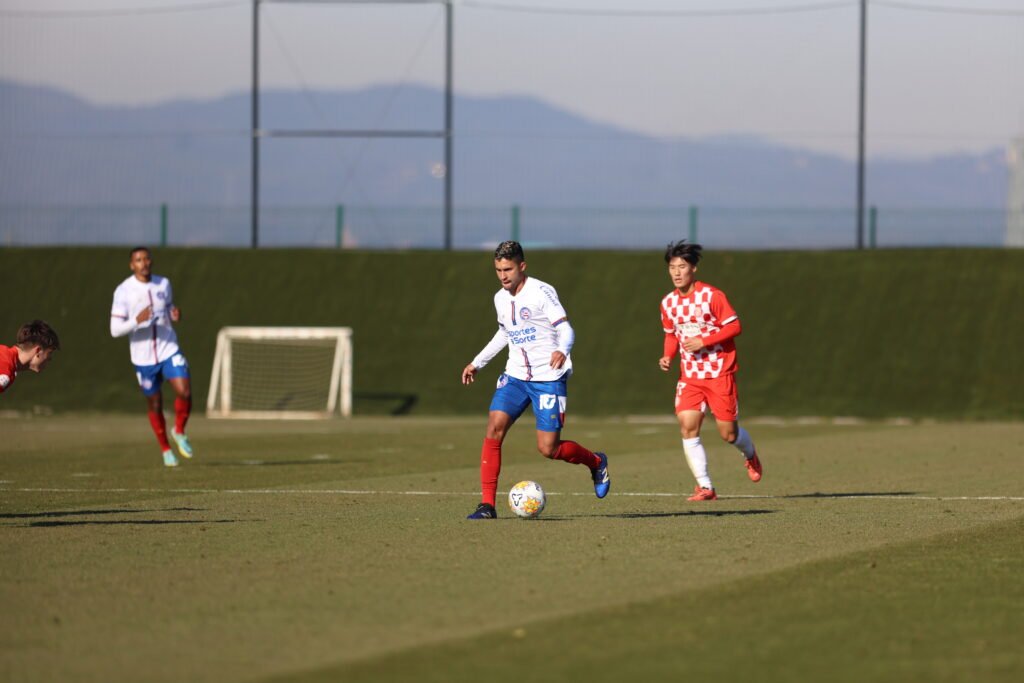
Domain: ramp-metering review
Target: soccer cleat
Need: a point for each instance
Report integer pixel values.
(700, 493)
(602, 482)
(169, 459)
(754, 468)
(181, 441)
(484, 511)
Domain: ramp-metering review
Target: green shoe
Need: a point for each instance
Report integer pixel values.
(169, 459)
(181, 441)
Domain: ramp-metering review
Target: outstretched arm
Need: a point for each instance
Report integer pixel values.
(493, 348)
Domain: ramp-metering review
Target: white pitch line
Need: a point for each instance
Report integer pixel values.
(359, 492)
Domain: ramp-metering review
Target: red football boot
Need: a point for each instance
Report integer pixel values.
(754, 468)
(703, 494)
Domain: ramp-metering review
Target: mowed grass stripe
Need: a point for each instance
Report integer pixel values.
(947, 608)
(206, 587)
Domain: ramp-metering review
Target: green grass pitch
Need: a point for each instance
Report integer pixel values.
(338, 551)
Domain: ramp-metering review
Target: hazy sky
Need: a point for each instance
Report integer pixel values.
(943, 75)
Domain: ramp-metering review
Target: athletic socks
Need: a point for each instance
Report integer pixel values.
(570, 451)
(182, 409)
(697, 459)
(490, 467)
(156, 421)
(744, 444)
(490, 463)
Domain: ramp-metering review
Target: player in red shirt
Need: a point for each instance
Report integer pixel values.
(701, 325)
(36, 343)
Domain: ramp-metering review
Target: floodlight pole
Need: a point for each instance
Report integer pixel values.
(860, 124)
(448, 125)
(447, 133)
(255, 199)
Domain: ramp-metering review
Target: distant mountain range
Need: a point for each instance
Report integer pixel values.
(56, 148)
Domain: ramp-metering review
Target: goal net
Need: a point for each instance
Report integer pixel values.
(281, 373)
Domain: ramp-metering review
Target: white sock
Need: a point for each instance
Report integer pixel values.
(697, 459)
(744, 444)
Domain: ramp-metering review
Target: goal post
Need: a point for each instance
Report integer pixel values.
(275, 373)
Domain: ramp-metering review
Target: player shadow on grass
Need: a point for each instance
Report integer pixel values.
(268, 463)
(122, 522)
(859, 494)
(75, 513)
(686, 513)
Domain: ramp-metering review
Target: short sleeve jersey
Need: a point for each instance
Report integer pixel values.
(705, 310)
(529, 319)
(155, 340)
(8, 366)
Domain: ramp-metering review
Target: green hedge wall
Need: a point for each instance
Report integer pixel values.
(914, 333)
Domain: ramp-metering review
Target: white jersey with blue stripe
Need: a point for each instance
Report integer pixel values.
(153, 341)
(529, 320)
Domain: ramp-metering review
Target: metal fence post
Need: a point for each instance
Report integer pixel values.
(339, 226)
(163, 225)
(693, 224)
(873, 227)
(515, 222)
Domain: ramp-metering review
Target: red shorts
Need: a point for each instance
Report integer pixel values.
(718, 393)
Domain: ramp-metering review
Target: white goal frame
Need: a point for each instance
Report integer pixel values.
(339, 398)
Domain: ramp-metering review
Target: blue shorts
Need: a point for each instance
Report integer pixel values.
(151, 377)
(548, 399)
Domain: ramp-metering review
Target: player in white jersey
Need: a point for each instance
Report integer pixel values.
(144, 309)
(535, 328)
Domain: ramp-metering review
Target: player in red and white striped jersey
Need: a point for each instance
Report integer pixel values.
(701, 326)
(36, 342)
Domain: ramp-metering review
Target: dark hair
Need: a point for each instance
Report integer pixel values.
(135, 249)
(511, 250)
(684, 250)
(38, 333)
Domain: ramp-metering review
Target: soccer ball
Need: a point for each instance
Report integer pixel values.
(526, 499)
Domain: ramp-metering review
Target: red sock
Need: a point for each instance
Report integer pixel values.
(156, 420)
(570, 451)
(182, 409)
(490, 467)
